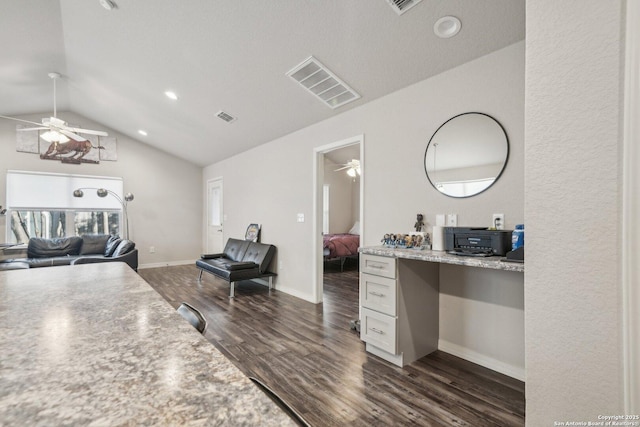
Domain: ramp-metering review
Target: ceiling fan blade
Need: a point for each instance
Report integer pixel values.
(71, 135)
(20, 120)
(342, 168)
(38, 128)
(88, 131)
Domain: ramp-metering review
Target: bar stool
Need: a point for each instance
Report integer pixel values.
(193, 316)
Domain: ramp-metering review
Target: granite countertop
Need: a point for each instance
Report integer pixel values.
(95, 345)
(443, 257)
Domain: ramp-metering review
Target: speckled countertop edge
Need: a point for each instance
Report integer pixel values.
(443, 257)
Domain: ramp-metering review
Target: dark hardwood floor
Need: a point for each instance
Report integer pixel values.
(311, 358)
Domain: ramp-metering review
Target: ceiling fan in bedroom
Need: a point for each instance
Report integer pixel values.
(56, 129)
(352, 167)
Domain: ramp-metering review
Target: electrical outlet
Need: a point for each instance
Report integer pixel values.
(498, 221)
(300, 217)
(152, 249)
(452, 220)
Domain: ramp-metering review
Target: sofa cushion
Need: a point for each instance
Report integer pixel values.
(111, 245)
(124, 247)
(261, 254)
(61, 246)
(93, 244)
(235, 249)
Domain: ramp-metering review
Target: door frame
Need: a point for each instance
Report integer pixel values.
(318, 181)
(630, 233)
(207, 213)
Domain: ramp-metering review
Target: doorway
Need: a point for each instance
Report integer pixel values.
(215, 241)
(328, 158)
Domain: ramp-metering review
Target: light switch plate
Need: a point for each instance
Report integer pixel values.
(452, 220)
(440, 220)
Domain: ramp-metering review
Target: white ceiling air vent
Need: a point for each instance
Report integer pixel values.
(225, 116)
(401, 6)
(322, 83)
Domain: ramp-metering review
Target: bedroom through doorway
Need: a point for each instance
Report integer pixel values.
(338, 191)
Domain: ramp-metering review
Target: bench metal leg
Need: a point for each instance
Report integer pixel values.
(232, 291)
(200, 276)
(270, 282)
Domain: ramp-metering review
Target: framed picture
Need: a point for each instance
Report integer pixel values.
(253, 233)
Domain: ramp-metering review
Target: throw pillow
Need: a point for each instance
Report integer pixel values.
(93, 244)
(111, 245)
(124, 247)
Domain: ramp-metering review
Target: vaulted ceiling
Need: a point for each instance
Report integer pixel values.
(227, 55)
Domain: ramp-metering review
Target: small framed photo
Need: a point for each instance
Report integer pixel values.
(253, 233)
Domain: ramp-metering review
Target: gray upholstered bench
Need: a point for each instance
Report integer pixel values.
(240, 260)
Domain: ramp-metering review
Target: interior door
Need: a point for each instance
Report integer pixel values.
(215, 216)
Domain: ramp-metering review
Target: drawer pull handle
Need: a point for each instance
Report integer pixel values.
(377, 294)
(377, 331)
(376, 266)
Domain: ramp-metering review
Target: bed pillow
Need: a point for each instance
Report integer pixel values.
(355, 229)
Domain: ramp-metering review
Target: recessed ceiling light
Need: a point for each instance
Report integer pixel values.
(108, 4)
(142, 132)
(447, 26)
(171, 95)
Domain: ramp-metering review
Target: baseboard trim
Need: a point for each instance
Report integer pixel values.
(295, 293)
(165, 264)
(482, 360)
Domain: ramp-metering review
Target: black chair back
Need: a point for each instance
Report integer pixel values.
(193, 316)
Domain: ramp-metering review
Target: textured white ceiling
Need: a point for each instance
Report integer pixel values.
(231, 56)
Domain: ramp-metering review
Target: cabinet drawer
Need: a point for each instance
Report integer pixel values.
(378, 293)
(378, 265)
(379, 330)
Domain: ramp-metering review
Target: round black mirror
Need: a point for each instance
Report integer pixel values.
(466, 155)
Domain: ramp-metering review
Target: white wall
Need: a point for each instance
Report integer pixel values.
(341, 198)
(166, 212)
(272, 183)
(574, 55)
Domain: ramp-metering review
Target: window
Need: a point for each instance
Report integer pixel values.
(42, 205)
(25, 224)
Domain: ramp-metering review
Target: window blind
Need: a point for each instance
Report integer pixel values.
(39, 190)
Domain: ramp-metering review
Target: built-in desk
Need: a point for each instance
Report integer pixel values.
(400, 301)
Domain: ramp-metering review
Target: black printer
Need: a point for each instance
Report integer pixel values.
(477, 241)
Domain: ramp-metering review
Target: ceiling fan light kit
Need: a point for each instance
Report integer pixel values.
(52, 135)
(352, 167)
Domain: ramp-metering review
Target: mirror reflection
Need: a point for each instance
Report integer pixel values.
(466, 155)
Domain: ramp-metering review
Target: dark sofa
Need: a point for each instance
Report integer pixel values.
(240, 260)
(75, 250)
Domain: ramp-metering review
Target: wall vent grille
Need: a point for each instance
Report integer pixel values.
(225, 116)
(322, 83)
(401, 6)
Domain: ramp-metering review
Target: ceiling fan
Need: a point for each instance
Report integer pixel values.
(57, 130)
(353, 167)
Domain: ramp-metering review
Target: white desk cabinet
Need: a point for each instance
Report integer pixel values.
(399, 305)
